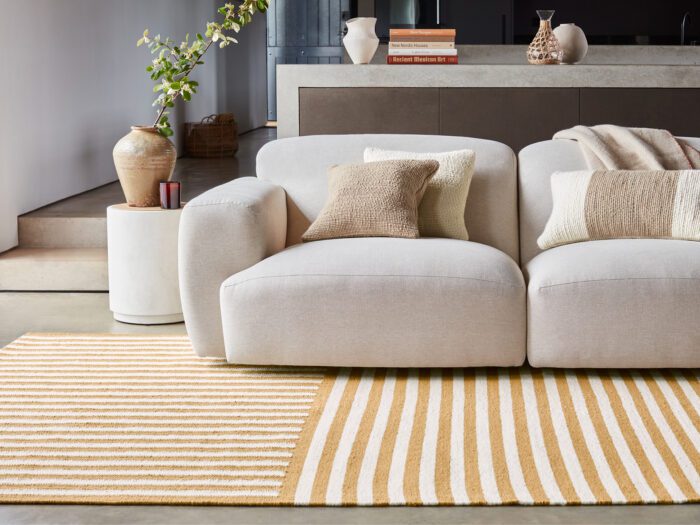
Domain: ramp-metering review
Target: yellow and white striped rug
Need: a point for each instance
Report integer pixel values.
(136, 419)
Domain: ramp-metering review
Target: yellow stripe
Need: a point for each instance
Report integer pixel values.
(505, 489)
(690, 448)
(561, 475)
(532, 478)
(579, 441)
(474, 488)
(682, 399)
(659, 441)
(361, 439)
(443, 489)
(635, 446)
(318, 493)
(415, 448)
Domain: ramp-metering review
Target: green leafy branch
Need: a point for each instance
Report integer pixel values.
(173, 64)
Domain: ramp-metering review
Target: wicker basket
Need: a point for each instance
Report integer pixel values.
(214, 136)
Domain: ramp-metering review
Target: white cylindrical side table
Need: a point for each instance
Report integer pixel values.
(142, 258)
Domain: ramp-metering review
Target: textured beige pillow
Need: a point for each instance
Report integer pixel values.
(375, 199)
(441, 212)
(593, 205)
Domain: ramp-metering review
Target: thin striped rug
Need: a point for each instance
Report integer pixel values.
(136, 419)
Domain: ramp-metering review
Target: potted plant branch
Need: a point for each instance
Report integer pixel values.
(146, 156)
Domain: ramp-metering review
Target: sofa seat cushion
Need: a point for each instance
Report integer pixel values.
(378, 302)
(629, 303)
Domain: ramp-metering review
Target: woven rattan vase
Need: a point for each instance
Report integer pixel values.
(544, 49)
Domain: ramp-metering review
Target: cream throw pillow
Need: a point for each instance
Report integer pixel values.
(594, 205)
(441, 212)
(375, 199)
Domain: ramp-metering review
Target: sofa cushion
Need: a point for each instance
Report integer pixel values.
(374, 199)
(378, 302)
(602, 204)
(629, 303)
(441, 212)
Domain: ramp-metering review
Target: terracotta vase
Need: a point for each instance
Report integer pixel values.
(573, 43)
(361, 42)
(544, 48)
(144, 159)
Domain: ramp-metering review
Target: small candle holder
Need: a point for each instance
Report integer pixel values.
(170, 195)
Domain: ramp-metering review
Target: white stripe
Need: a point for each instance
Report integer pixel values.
(262, 380)
(403, 438)
(102, 473)
(141, 462)
(142, 492)
(144, 423)
(483, 441)
(365, 484)
(162, 369)
(229, 445)
(568, 452)
(510, 442)
(148, 440)
(153, 454)
(35, 482)
(458, 483)
(334, 491)
(645, 440)
(677, 408)
(154, 412)
(683, 383)
(119, 433)
(161, 391)
(230, 383)
(426, 474)
(164, 400)
(294, 410)
(539, 450)
(592, 441)
(318, 442)
(669, 436)
(628, 460)
(68, 358)
(234, 397)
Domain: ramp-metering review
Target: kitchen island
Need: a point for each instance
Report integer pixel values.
(503, 99)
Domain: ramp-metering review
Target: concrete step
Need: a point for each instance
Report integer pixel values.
(62, 232)
(54, 269)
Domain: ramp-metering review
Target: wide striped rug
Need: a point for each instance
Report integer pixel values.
(136, 419)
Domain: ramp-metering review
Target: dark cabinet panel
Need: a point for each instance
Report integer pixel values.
(677, 110)
(516, 117)
(368, 110)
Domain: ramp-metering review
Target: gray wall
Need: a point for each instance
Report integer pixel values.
(74, 82)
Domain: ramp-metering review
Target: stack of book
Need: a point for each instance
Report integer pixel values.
(422, 46)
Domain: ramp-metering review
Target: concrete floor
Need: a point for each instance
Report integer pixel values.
(89, 312)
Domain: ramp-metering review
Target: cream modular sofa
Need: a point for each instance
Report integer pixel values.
(252, 292)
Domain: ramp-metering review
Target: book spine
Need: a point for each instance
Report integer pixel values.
(393, 59)
(450, 39)
(426, 45)
(423, 51)
(422, 32)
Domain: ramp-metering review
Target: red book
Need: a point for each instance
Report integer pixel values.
(422, 32)
(421, 59)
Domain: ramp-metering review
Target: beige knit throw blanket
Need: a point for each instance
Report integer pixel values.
(618, 148)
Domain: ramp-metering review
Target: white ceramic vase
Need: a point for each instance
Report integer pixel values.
(361, 41)
(573, 43)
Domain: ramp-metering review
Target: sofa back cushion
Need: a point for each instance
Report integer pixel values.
(300, 165)
(536, 164)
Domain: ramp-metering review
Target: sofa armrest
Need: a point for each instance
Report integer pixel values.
(222, 232)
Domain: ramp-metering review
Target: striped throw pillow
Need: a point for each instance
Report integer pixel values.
(595, 205)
